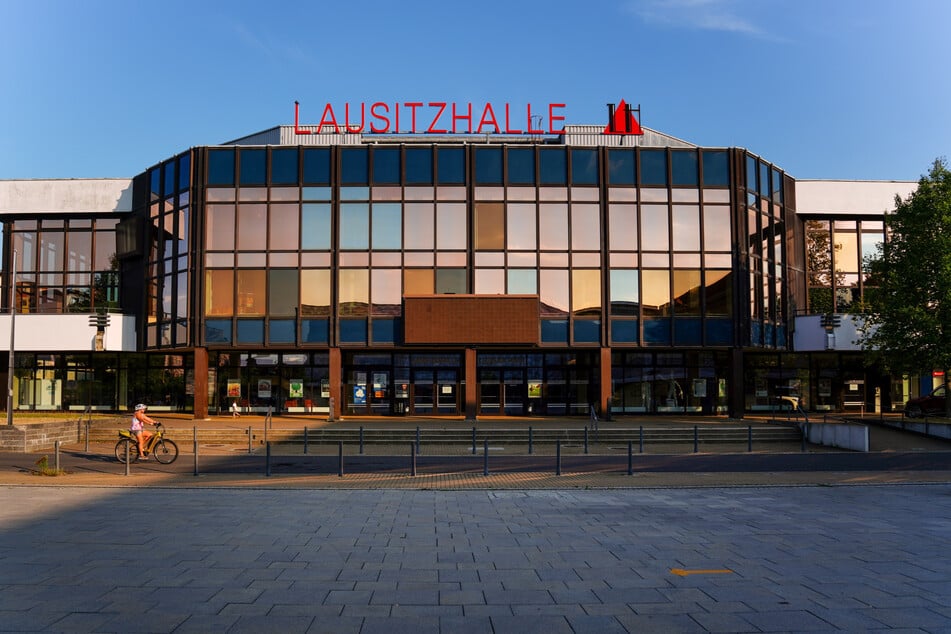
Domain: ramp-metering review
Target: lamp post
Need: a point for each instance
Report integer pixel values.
(13, 312)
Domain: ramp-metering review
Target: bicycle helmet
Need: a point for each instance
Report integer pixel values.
(139, 407)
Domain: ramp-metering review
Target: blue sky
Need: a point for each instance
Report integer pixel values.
(850, 89)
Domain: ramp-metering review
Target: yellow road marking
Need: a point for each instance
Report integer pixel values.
(683, 573)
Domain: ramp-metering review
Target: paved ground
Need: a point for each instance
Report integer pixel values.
(750, 559)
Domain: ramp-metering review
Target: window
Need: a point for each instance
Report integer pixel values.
(387, 226)
(221, 167)
(653, 168)
(488, 165)
(419, 166)
(284, 167)
(451, 166)
(386, 166)
(683, 167)
(716, 172)
(521, 166)
(316, 166)
(489, 227)
(621, 167)
(552, 166)
(353, 166)
(584, 167)
(252, 167)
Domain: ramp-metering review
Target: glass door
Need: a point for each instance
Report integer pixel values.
(379, 392)
(490, 391)
(423, 392)
(447, 391)
(515, 392)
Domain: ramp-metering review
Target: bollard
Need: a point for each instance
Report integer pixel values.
(531, 441)
(696, 440)
(485, 456)
(803, 447)
(87, 436)
(339, 458)
(128, 457)
(641, 435)
(250, 436)
(586, 440)
(417, 439)
(412, 459)
(361, 440)
(558, 457)
(195, 448)
(56, 456)
(473, 441)
(305, 441)
(630, 457)
(749, 438)
(267, 460)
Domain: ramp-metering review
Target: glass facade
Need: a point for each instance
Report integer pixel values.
(290, 265)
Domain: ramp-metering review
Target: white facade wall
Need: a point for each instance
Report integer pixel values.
(66, 333)
(850, 197)
(88, 195)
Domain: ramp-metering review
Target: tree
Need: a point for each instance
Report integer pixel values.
(908, 325)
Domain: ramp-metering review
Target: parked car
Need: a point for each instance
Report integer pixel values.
(932, 404)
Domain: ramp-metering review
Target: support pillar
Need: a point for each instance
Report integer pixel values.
(606, 385)
(336, 380)
(471, 404)
(200, 407)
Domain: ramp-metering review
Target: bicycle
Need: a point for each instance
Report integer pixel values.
(164, 450)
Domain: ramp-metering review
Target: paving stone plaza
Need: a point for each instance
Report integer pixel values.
(739, 559)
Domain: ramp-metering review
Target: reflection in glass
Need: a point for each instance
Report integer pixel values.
(219, 293)
(585, 227)
(282, 292)
(386, 292)
(490, 281)
(354, 226)
(655, 292)
(521, 166)
(719, 291)
(354, 291)
(683, 167)
(520, 220)
(553, 226)
(553, 291)
(387, 225)
(654, 227)
(623, 222)
(489, 226)
(621, 165)
(686, 227)
(315, 226)
(284, 229)
(418, 281)
(716, 228)
(586, 291)
(552, 166)
(252, 292)
(687, 291)
(315, 292)
(653, 167)
(522, 282)
(625, 292)
(584, 166)
(420, 225)
(252, 227)
(451, 231)
(451, 281)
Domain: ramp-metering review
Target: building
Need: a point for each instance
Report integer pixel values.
(309, 267)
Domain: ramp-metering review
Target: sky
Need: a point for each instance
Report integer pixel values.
(829, 89)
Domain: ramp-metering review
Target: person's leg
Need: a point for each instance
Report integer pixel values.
(140, 439)
(145, 435)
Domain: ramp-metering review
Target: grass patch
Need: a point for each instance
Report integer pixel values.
(43, 468)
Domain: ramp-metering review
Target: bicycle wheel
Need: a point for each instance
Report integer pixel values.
(165, 451)
(121, 450)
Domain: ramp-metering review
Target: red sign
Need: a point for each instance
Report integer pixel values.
(621, 120)
(435, 117)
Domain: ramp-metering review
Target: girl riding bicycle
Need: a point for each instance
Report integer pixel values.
(139, 420)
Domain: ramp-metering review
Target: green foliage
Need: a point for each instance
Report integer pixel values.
(44, 468)
(909, 318)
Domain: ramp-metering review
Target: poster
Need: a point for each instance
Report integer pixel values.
(264, 388)
(295, 388)
(325, 388)
(535, 390)
(234, 388)
(359, 395)
(700, 388)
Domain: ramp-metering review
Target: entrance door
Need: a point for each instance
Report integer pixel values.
(447, 393)
(490, 391)
(514, 392)
(423, 392)
(379, 392)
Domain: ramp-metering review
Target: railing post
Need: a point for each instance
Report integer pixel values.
(56, 456)
(87, 436)
(630, 457)
(749, 438)
(412, 459)
(417, 439)
(267, 459)
(558, 457)
(128, 457)
(531, 441)
(473, 441)
(641, 438)
(339, 458)
(586, 440)
(195, 448)
(696, 439)
(250, 435)
(361, 440)
(485, 456)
